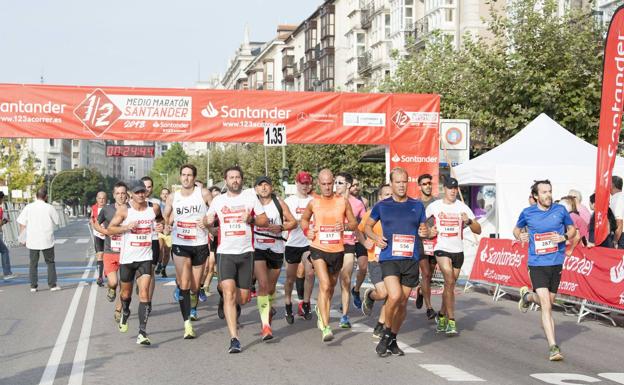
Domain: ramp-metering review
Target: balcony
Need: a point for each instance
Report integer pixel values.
(420, 30)
(367, 13)
(365, 64)
(288, 61)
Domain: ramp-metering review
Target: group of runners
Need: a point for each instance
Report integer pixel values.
(245, 235)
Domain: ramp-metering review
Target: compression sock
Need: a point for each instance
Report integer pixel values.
(264, 308)
(185, 303)
(143, 315)
(299, 285)
(100, 269)
(125, 310)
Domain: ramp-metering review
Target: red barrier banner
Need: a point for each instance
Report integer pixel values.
(612, 101)
(595, 274)
(408, 123)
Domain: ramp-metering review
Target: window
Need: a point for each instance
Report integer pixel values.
(448, 15)
(387, 26)
(360, 45)
(52, 143)
(75, 155)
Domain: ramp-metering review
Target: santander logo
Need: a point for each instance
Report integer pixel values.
(209, 111)
(396, 158)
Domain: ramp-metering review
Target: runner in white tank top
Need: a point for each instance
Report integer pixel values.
(269, 250)
(299, 269)
(184, 214)
(137, 223)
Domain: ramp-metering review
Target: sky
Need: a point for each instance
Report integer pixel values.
(136, 43)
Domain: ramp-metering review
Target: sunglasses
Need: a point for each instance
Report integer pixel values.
(340, 183)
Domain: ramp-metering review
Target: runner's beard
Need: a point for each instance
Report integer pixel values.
(234, 187)
(546, 202)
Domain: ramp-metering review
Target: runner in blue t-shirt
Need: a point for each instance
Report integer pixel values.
(403, 220)
(549, 227)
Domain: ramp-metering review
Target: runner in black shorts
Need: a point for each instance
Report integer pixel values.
(333, 261)
(549, 228)
(98, 238)
(428, 260)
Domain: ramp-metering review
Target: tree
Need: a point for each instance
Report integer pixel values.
(531, 61)
(168, 165)
(17, 165)
(77, 186)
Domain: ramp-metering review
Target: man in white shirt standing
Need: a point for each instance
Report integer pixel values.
(616, 205)
(38, 220)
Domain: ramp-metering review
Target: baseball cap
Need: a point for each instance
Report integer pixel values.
(138, 186)
(262, 179)
(304, 177)
(451, 183)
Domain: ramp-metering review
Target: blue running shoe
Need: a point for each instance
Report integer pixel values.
(202, 295)
(193, 316)
(344, 322)
(357, 301)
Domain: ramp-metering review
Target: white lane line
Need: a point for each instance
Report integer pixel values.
(61, 341)
(75, 378)
(82, 240)
(405, 347)
(615, 377)
(170, 283)
(60, 241)
(451, 373)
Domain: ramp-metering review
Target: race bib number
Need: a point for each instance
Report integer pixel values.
(543, 245)
(261, 239)
(450, 227)
(428, 246)
(403, 245)
(98, 234)
(377, 252)
(348, 236)
(328, 235)
(186, 230)
(141, 237)
(115, 243)
(299, 212)
(233, 226)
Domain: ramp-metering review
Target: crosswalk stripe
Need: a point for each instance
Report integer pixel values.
(451, 373)
(60, 241)
(82, 240)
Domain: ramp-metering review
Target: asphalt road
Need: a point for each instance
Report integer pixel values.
(70, 337)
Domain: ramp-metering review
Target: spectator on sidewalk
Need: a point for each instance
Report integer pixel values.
(582, 210)
(609, 240)
(569, 202)
(4, 250)
(38, 219)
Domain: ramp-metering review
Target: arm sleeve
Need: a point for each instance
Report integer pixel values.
(375, 214)
(55, 216)
(22, 218)
(521, 220)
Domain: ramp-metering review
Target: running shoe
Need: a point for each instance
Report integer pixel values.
(523, 304)
(193, 316)
(235, 346)
(431, 314)
(55, 288)
(378, 331)
(111, 294)
(451, 328)
(267, 333)
(344, 322)
(368, 303)
(307, 313)
(555, 353)
(300, 309)
(9, 276)
(220, 311)
(100, 281)
(393, 348)
(164, 272)
(189, 333)
(419, 298)
(143, 340)
(33, 289)
(176, 294)
(327, 334)
(319, 319)
(382, 346)
(441, 321)
(357, 301)
(123, 327)
(158, 269)
(117, 315)
(290, 318)
(202, 295)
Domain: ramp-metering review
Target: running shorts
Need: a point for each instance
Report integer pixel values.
(405, 269)
(197, 254)
(334, 261)
(457, 259)
(545, 277)
(238, 267)
(128, 271)
(294, 254)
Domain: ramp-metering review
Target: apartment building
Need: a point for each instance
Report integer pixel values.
(264, 72)
(235, 77)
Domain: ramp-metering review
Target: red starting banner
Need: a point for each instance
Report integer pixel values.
(595, 274)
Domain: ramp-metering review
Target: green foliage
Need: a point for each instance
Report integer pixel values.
(17, 165)
(77, 186)
(531, 61)
(168, 167)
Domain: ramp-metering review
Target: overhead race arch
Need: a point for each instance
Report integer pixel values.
(406, 123)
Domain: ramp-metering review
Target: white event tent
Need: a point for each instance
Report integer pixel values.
(542, 150)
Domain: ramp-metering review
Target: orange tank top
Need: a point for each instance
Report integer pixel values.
(328, 212)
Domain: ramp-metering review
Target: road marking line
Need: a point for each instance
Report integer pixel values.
(57, 352)
(75, 378)
(615, 377)
(405, 347)
(60, 241)
(450, 373)
(170, 283)
(82, 240)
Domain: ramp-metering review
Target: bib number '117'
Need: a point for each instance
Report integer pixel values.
(275, 135)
